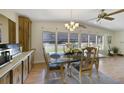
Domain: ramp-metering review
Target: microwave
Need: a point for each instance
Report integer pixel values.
(5, 56)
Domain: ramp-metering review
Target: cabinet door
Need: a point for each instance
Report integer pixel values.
(12, 31)
(16, 74)
(29, 23)
(21, 31)
(32, 59)
(25, 33)
(30, 63)
(5, 79)
(25, 69)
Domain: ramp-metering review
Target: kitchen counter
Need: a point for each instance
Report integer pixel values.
(15, 61)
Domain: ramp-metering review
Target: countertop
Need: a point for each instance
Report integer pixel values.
(15, 61)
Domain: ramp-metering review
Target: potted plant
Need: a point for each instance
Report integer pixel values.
(115, 50)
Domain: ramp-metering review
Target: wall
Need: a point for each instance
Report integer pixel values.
(4, 26)
(39, 27)
(119, 40)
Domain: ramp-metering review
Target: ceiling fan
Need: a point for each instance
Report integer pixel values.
(107, 16)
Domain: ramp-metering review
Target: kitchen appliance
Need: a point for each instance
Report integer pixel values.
(5, 57)
(7, 52)
(15, 48)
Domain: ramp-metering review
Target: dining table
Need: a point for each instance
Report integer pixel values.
(66, 59)
(62, 58)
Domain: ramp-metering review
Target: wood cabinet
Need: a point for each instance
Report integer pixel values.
(17, 71)
(25, 33)
(16, 74)
(25, 69)
(5, 79)
(12, 31)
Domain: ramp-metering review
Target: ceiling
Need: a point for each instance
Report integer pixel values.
(80, 15)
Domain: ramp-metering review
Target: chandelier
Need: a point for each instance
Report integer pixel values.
(72, 25)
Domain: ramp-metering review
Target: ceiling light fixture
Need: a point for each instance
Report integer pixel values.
(72, 25)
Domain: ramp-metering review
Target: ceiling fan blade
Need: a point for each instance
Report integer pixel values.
(83, 26)
(108, 18)
(116, 12)
(92, 19)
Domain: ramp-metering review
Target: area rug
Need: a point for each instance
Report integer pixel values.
(103, 79)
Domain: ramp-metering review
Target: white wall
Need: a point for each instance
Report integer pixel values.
(119, 40)
(39, 27)
(4, 30)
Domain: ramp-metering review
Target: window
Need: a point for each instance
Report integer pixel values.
(52, 44)
(74, 39)
(62, 39)
(84, 40)
(49, 41)
(92, 40)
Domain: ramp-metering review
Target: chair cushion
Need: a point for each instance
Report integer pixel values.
(54, 66)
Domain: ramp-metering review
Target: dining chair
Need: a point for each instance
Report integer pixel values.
(52, 68)
(96, 60)
(85, 65)
(75, 54)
